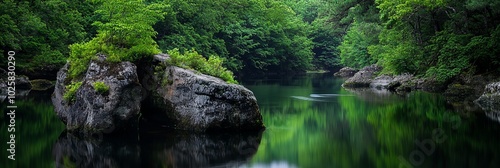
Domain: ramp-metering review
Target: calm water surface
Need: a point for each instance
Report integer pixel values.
(311, 122)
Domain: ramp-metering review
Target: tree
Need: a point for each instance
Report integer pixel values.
(39, 32)
(124, 33)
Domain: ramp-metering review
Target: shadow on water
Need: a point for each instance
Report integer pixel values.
(157, 150)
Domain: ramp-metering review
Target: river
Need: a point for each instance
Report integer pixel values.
(311, 122)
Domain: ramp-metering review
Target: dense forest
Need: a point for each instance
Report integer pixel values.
(438, 39)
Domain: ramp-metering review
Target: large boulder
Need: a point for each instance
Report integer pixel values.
(490, 100)
(188, 100)
(93, 111)
(363, 78)
(345, 72)
(381, 82)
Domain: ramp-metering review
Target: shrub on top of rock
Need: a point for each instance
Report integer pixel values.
(125, 33)
(194, 61)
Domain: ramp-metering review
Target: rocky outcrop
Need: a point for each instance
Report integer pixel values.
(93, 111)
(189, 100)
(490, 100)
(345, 72)
(381, 82)
(363, 78)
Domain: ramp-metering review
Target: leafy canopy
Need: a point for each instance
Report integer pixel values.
(124, 33)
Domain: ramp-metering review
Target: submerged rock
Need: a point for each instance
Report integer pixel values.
(41, 84)
(108, 111)
(188, 100)
(345, 72)
(363, 78)
(490, 100)
(458, 92)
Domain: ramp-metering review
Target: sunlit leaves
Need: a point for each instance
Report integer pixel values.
(125, 33)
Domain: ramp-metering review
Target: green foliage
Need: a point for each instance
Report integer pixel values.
(354, 48)
(125, 33)
(253, 36)
(40, 31)
(100, 87)
(452, 55)
(193, 60)
(70, 94)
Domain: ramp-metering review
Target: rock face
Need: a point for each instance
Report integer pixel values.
(193, 101)
(345, 72)
(490, 100)
(363, 78)
(381, 82)
(96, 112)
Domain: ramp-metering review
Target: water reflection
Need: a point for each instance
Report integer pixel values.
(72, 151)
(157, 150)
(374, 128)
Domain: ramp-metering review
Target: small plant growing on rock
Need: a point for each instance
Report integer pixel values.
(71, 89)
(194, 61)
(100, 87)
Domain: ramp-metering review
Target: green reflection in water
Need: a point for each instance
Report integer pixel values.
(362, 128)
(37, 128)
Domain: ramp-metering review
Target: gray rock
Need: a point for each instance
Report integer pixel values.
(490, 100)
(345, 72)
(92, 112)
(399, 80)
(22, 83)
(161, 57)
(363, 78)
(381, 82)
(193, 101)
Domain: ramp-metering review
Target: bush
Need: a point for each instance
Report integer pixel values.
(100, 87)
(124, 33)
(71, 89)
(194, 61)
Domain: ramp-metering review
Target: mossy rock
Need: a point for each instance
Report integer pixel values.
(42, 84)
(458, 92)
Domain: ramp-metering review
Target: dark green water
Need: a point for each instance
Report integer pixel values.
(311, 122)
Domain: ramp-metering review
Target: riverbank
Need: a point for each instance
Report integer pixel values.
(461, 92)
